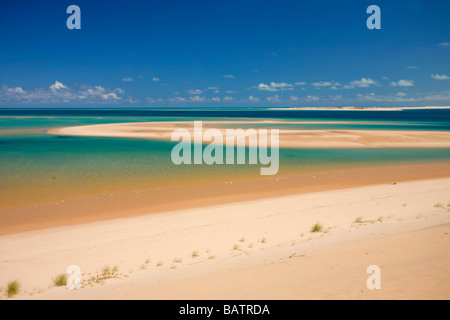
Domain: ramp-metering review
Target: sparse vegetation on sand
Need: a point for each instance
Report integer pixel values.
(438, 205)
(236, 247)
(195, 254)
(316, 228)
(105, 275)
(360, 220)
(177, 260)
(60, 280)
(159, 264)
(12, 288)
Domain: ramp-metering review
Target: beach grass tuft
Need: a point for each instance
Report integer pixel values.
(60, 280)
(438, 205)
(177, 260)
(236, 247)
(195, 254)
(358, 220)
(159, 264)
(316, 228)
(12, 288)
(242, 240)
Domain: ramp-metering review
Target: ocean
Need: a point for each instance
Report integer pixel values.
(39, 168)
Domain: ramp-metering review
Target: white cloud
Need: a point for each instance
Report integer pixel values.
(213, 88)
(196, 91)
(275, 98)
(228, 98)
(412, 67)
(57, 86)
(266, 87)
(231, 91)
(156, 79)
(440, 77)
(111, 96)
(197, 99)
(17, 90)
(229, 76)
(294, 98)
(59, 93)
(274, 86)
(176, 99)
(300, 83)
(280, 85)
(253, 99)
(127, 79)
(402, 97)
(363, 83)
(403, 83)
(215, 99)
(444, 44)
(312, 98)
(325, 84)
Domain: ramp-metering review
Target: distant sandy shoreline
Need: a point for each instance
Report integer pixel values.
(288, 138)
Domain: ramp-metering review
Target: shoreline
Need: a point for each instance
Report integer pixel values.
(142, 202)
(244, 250)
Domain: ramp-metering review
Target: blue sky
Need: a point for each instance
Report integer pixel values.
(224, 54)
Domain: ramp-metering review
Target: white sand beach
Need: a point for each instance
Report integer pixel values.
(288, 138)
(259, 249)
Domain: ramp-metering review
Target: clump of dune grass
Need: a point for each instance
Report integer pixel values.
(106, 270)
(316, 228)
(236, 247)
(438, 205)
(404, 204)
(242, 240)
(358, 220)
(263, 240)
(250, 245)
(60, 280)
(147, 261)
(195, 254)
(12, 288)
(143, 267)
(115, 269)
(159, 264)
(177, 260)
(173, 267)
(211, 257)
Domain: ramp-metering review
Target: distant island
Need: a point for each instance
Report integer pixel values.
(362, 108)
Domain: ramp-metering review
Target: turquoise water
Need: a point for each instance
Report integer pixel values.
(36, 167)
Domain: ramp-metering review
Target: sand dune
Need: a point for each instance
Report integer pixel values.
(260, 249)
